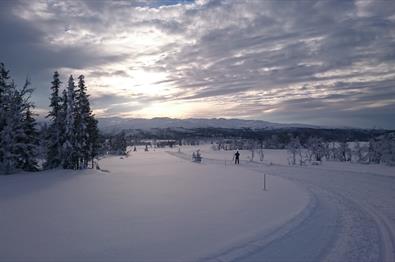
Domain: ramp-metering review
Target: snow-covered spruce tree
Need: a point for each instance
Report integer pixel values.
(93, 140)
(79, 124)
(27, 140)
(10, 130)
(14, 146)
(85, 126)
(30, 143)
(5, 85)
(42, 140)
(62, 119)
(54, 142)
(82, 116)
(68, 147)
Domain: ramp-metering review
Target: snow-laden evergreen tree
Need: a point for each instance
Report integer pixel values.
(85, 126)
(68, 148)
(43, 140)
(11, 129)
(93, 141)
(6, 93)
(4, 86)
(14, 136)
(62, 119)
(18, 107)
(30, 143)
(82, 115)
(54, 143)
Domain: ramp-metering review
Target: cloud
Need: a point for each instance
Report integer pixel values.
(276, 60)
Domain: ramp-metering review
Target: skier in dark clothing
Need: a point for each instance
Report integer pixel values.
(237, 155)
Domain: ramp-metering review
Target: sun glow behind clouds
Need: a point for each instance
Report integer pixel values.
(137, 82)
(206, 58)
(146, 89)
(201, 108)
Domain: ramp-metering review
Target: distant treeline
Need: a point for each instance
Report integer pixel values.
(305, 145)
(277, 137)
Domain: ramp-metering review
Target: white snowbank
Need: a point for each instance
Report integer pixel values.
(150, 207)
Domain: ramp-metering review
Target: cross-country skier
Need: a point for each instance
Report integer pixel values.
(237, 155)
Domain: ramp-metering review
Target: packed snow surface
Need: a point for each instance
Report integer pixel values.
(351, 217)
(150, 206)
(160, 206)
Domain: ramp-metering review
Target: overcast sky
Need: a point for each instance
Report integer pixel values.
(315, 62)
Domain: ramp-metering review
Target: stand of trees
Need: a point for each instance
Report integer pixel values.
(72, 134)
(312, 150)
(379, 150)
(116, 144)
(72, 138)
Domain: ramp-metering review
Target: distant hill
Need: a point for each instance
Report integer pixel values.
(116, 124)
(197, 128)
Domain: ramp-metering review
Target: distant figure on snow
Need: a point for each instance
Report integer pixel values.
(197, 157)
(237, 158)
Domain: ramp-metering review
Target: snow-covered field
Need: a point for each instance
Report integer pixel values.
(151, 206)
(159, 206)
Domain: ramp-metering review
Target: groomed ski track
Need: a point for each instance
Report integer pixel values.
(351, 217)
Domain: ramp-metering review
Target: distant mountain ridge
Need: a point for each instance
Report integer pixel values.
(116, 124)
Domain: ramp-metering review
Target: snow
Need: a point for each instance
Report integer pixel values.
(351, 217)
(160, 206)
(151, 206)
